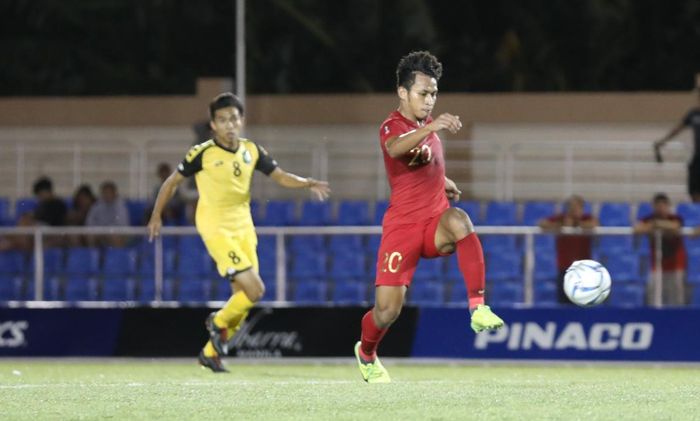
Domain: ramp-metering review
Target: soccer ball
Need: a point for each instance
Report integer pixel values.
(587, 283)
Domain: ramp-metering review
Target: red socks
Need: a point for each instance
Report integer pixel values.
(371, 336)
(470, 258)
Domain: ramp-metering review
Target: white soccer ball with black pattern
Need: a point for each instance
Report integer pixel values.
(587, 283)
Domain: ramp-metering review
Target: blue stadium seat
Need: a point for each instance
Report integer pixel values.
(5, 218)
(503, 267)
(350, 292)
(348, 265)
(255, 211)
(146, 290)
(310, 292)
(695, 296)
(315, 213)
(626, 295)
(270, 292)
(545, 293)
(623, 266)
(452, 272)
(691, 243)
(9, 287)
(614, 214)
(310, 242)
(545, 267)
(373, 242)
(429, 270)
(472, 208)
(12, 263)
(119, 263)
(53, 263)
(118, 289)
(534, 211)
(193, 258)
(137, 211)
(346, 242)
(458, 293)
(501, 213)
(693, 270)
(279, 213)
(308, 266)
(353, 212)
(615, 244)
(380, 208)
(194, 290)
(426, 294)
(545, 243)
(690, 212)
(81, 262)
(504, 293)
(502, 243)
(644, 209)
(24, 205)
(78, 287)
(146, 267)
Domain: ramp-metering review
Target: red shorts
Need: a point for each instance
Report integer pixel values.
(401, 247)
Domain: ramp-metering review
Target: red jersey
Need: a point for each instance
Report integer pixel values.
(572, 247)
(672, 247)
(417, 179)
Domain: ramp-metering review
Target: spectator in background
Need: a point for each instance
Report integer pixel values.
(50, 210)
(109, 211)
(673, 260)
(175, 209)
(570, 247)
(83, 199)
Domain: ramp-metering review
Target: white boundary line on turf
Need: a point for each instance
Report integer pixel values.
(342, 361)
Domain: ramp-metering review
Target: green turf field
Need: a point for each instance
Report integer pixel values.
(124, 389)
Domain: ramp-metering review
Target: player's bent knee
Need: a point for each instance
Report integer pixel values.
(458, 223)
(386, 315)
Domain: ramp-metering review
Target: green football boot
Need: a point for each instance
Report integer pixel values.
(373, 372)
(484, 319)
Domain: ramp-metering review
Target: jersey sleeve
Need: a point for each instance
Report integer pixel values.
(391, 128)
(192, 162)
(266, 164)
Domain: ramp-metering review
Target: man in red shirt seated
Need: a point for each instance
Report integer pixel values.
(570, 247)
(672, 251)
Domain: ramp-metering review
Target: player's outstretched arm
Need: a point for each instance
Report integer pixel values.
(400, 145)
(670, 135)
(320, 189)
(166, 192)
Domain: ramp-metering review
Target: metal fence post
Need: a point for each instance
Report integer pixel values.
(280, 269)
(659, 270)
(529, 268)
(38, 264)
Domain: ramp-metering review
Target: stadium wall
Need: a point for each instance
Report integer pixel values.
(531, 334)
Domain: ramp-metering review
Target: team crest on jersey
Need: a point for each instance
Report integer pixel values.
(386, 129)
(246, 156)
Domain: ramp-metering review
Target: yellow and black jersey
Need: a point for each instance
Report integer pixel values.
(223, 178)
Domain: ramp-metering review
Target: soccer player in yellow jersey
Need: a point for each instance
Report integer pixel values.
(223, 168)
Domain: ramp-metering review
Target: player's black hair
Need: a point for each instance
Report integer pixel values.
(224, 100)
(43, 184)
(417, 61)
(661, 197)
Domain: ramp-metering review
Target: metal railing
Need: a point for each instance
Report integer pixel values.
(40, 234)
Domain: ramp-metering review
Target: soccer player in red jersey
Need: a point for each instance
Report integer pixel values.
(419, 221)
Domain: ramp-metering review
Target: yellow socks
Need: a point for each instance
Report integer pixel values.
(231, 315)
(234, 310)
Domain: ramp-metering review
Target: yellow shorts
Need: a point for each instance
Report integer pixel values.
(233, 254)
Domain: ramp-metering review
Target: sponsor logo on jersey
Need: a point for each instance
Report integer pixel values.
(636, 336)
(12, 333)
(218, 163)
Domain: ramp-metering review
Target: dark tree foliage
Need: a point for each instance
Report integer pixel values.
(126, 47)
